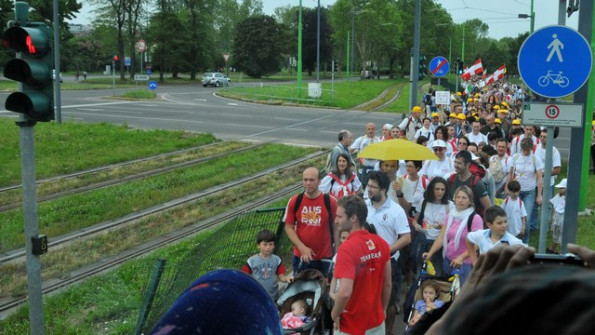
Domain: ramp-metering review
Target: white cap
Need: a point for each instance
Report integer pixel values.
(438, 144)
(387, 126)
(562, 184)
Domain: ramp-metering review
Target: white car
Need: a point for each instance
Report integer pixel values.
(217, 79)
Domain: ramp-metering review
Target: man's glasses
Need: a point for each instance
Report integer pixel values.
(373, 186)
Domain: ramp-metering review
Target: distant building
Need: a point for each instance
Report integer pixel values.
(79, 29)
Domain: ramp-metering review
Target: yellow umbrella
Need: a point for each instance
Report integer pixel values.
(397, 150)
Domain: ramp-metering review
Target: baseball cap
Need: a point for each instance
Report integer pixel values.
(503, 111)
(497, 120)
(222, 302)
(461, 116)
(561, 184)
(435, 115)
(438, 144)
(516, 121)
(454, 115)
(504, 103)
(470, 100)
(459, 93)
(416, 109)
(496, 107)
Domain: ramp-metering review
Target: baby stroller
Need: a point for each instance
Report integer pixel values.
(310, 286)
(449, 288)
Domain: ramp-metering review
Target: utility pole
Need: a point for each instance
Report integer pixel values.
(413, 76)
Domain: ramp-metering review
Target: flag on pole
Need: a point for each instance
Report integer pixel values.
(499, 74)
(489, 79)
(476, 68)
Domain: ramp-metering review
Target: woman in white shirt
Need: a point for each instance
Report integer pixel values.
(342, 181)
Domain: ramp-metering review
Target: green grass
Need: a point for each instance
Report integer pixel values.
(70, 213)
(70, 147)
(139, 94)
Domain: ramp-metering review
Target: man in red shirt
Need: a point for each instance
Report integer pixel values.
(363, 273)
(309, 225)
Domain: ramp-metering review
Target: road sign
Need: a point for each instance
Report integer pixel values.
(439, 66)
(153, 84)
(126, 61)
(442, 97)
(140, 46)
(555, 61)
(226, 57)
(141, 77)
(554, 114)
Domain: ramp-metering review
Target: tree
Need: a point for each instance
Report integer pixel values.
(167, 45)
(6, 14)
(309, 40)
(257, 46)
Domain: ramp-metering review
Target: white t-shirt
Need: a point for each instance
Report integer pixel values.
(482, 239)
(390, 221)
(361, 143)
(515, 212)
(413, 191)
(438, 168)
(559, 203)
(524, 170)
(556, 161)
(477, 138)
(434, 218)
(424, 132)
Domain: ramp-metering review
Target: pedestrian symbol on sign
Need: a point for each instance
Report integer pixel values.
(556, 45)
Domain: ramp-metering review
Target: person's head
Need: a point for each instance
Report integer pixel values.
(395, 132)
(345, 137)
(427, 122)
(462, 143)
(526, 145)
(501, 147)
(436, 191)
(529, 131)
(439, 148)
(536, 299)
(435, 118)
(451, 131)
(413, 167)
(490, 120)
(495, 219)
(430, 290)
(210, 300)
(441, 133)
(370, 129)
(543, 137)
(463, 197)
(390, 168)
(378, 184)
(386, 129)
(343, 235)
(561, 187)
(351, 213)
(415, 112)
(299, 307)
(265, 239)
(462, 161)
(484, 159)
(422, 140)
(311, 181)
(472, 147)
(513, 188)
(343, 164)
(493, 137)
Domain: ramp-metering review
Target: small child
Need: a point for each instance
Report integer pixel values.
(266, 267)
(516, 214)
(297, 317)
(430, 290)
(343, 235)
(559, 202)
(496, 234)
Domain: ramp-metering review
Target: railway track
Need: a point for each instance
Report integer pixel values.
(98, 185)
(17, 254)
(8, 304)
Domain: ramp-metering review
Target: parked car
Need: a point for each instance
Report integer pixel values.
(54, 76)
(217, 79)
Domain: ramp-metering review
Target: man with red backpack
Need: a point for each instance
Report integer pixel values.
(469, 173)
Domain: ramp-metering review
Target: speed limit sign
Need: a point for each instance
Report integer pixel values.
(140, 46)
(552, 112)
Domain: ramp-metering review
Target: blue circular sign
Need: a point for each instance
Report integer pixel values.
(439, 66)
(153, 84)
(555, 61)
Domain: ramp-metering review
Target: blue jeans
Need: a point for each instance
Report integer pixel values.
(528, 198)
(320, 265)
(464, 270)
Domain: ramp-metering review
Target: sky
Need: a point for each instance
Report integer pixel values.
(500, 15)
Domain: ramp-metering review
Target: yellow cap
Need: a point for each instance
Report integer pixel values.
(496, 107)
(416, 109)
(469, 100)
(504, 103)
(476, 118)
(497, 120)
(593, 122)
(503, 111)
(459, 93)
(435, 115)
(477, 95)
(516, 121)
(461, 116)
(475, 99)
(453, 115)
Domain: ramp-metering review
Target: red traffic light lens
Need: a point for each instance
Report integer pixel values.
(30, 45)
(116, 58)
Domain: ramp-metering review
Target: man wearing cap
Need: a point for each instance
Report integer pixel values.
(365, 165)
(491, 126)
(411, 124)
(435, 121)
(363, 270)
(386, 132)
(442, 167)
(505, 124)
(345, 139)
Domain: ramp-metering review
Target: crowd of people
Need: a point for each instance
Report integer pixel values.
(368, 223)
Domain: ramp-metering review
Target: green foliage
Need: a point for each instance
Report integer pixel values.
(309, 26)
(140, 94)
(257, 46)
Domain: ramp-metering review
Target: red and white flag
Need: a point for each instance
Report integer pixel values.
(499, 74)
(489, 79)
(476, 68)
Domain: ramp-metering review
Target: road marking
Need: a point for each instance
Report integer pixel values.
(202, 100)
(144, 118)
(100, 104)
(232, 104)
(294, 125)
(286, 119)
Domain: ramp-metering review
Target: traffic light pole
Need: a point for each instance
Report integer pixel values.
(57, 101)
(27, 143)
(413, 76)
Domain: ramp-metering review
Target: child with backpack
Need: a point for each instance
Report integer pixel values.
(515, 209)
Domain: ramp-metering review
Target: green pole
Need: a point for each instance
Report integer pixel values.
(348, 57)
(299, 64)
(450, 54)
(532, 18)
(463, 46)
(582, 200)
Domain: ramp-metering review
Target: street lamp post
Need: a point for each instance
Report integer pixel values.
(318, 45)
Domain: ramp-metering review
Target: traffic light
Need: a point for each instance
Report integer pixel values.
(422, 67)
(336, 67)
(32, 41)
(460, 65)
(116, 58)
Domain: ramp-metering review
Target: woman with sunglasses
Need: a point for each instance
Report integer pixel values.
(442, 167)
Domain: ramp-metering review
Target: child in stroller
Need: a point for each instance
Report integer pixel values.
(430, 290)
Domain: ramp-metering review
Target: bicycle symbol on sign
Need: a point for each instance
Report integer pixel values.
(559, 79)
